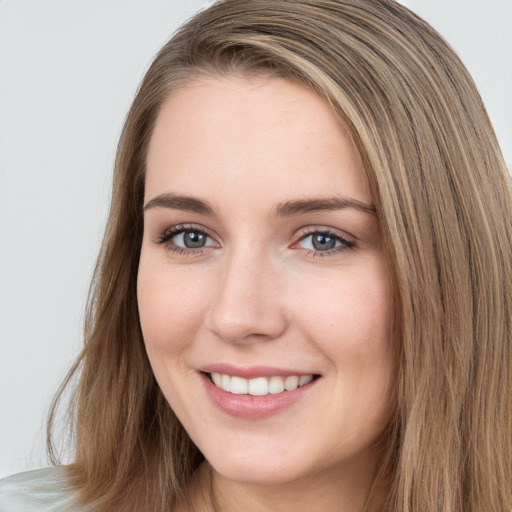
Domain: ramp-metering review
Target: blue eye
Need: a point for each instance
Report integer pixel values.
(180, 238)
(324, 242)
(190, 239)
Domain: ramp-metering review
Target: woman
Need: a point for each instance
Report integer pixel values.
(303, 297)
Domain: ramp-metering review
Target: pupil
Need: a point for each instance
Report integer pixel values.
(323, 242)
(194, 240)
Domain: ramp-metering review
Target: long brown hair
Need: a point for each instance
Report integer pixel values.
(444, 201)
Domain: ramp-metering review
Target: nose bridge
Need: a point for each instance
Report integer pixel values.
(246, 303)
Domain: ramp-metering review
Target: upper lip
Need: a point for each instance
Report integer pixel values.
(251, 372)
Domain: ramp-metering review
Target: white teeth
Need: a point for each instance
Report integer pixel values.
(225, 382)
(305, 379)
(259, 386)
(217, 379)
(291, 383)
(238, 386)
(275, 385)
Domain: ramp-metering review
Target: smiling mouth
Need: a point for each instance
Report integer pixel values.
(259, 386)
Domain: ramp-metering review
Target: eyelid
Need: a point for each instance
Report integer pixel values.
(311, 230)
(347, 241)
(167, 234)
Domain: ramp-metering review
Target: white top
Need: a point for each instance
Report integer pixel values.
(40, 490)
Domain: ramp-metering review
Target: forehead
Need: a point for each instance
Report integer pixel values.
(267, 136)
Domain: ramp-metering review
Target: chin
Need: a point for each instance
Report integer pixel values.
(256, 472)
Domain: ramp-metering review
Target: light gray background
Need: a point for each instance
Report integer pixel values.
(68, 71)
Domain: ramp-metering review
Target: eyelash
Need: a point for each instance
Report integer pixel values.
(345, 245)
(171, 232)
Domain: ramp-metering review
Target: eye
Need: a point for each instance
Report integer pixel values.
(324, 242)
(183, 239)
(190, 239)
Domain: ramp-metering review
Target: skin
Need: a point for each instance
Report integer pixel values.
(259, 292)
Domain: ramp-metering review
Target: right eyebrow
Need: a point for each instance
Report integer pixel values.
(176, 202)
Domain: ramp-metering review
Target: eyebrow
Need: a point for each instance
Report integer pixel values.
(284, 209)
(303, 206)
(190, 204)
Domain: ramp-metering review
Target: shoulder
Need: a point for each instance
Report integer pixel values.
(41, 490)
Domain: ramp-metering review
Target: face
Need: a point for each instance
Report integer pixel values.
(263, 291)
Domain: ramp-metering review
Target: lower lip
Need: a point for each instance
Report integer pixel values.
(253, 407)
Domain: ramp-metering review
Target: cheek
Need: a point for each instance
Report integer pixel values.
(170, 308)
(356, 309)
(350, 321)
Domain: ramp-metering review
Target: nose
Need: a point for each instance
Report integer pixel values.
(248, 302)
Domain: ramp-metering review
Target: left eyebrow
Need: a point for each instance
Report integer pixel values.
(303, 206)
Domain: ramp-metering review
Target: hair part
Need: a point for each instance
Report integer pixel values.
(443, 198)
